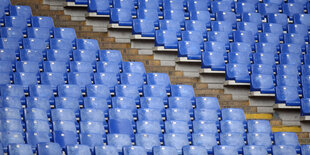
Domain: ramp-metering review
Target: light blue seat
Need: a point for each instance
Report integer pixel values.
(20, 149)
(49, 149)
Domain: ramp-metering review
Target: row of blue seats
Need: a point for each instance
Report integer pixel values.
(54, 149)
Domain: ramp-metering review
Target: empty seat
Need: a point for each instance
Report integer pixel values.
(64, 138)
(262, 139)
(42, 21)
(180, 103)
(291, 58)
(69, 90)
(286, 138)
(198, 5)
(31, 55)
(154, 91)
(302, 19)
(16, 21)
(148, 141)
(169, 25)
(277, 18)
(39, 32)
(133, 67)
(87, 44)
(8, 55)
(177, 15)
(193, 150)
(149, 114)
(39, 102)
(272, 28)
(8, 138)
(52, 79)
(182, 91)
(272, 38)
(166, 38)
(261, 126)
(25, 79)
(221, 26)
(290, 9)
(33, 138)
(118, 140)
(233, 114)
(149, 127)
(265, 8)
(213, 60)
(176, 140)
(144, 27)
(35, 114)
(241, 7)
(253, 149)
(119, 114)
(65, 33)
(11, 125)
(225, 150)
(106, 150)
(60, 55)
(290, 48)
(11, 102)
(262, 69)
(264, 58)
(111, 56)
(207, 103)
(37, 126)
(206, 114)
(232, 139)
(41, 91)
(247, 26)
(226, 16)
(85, 55)
(125, 103)
(107, 78)
(297, 28)
(177, 114)
(283, 149)
(12, 90)
(55, 66)
(27, 66)
(49, 149)
(34, 43)
(121, 16)
(207, 140)
(218, 36)
(78, 150)
(218, 6)
(176, 127)
(203, 16)
(294, 38)
(9, 45)
(148, 4)
(232, 126)
(304, 104)
(123, 4)
(153, 103)
(80, 79)
(263, 83)
(96, 103)
(189, 49)
(20, 149)
(63, 115)
(200, 126)
(305, 149)
(136, 79)
(12, 32)
(132, 150)
(237, 72)
(150, 14)
(127, 91)
(158, 79)
(91, 139)
(67, 103)
(251, 17)
(107, 66)
(164, 150)
(79, 66)
(62, 44)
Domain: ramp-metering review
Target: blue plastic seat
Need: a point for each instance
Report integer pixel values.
(239, 58)
(106, 66)
(68, 103)
(214, 60)
(133, 67)
(200, 126)
(277, 18)
(9, 45)
(195, 25)
(79, 78)
(11, 125)
(97, 103)
(180, 127)
(297, 1)
(305, 69)
(97, 90)
(92, 127)
(154, 91)
(241, 7)
(5, 4)
(177, 114)
(287, 69)
(25, 79)
(294, 38)
(149, 127)
(150, 114)
(243, 36)
(302, 19)
(173, 5)
(203, 16)
(12, 32)
(305, 102)
(165, 150)
(20, 149)
(111, 56)
(62, 44)
(125, 103)
(117, 114)
(207, 103)
(33, 138)
(169, 24)
(198, 5)
(148, 141)
(8, 138)
(100, 7)
(35, 114)
(108, 79)
(194, 150)
(89, 114)
(291, 58)
(218, 6)
(127, 91)
(158, 79)
(122, 16)
(143, 27)
(27, 66)
(55, 66)
(297, 28)
(181, 103)
(16, 21)
(283, 149)
(85, 55)
(286, 138)
(248, 26)
(206, 114)
(63, 115)
(42, 21)
(251, 17)
(65, 33)
(136, 79)
(288, 95)
(150, 14)
(195, 36)
(64, 138)
(305, 149)
(37, 126)
(6, 78)
(258, 138)
(8, 55)
(291, 48)
(81, 66)
(78, 150)
(225, 150)
(41, 91)
(265, 8)
(166, 38)
(11, 102)
(87, 44)
(34, 43)
(226, 16)
(118, 140)
(123, 4)
(273, 1)
(221, 26)
(69, 90)
(132, 150)
(272, 38)
(31, 55)
(106, 150)
(261, 126)
(264, 58)
(233, 114)
(254, 150)
(229, 126)
(153, 103)
(61, 55)
(91, 140)
(39, 32)
(176, 140)
(292, 8)
(232, 139)
(207, 140)
(182, 91)
(49, 149)
(215, 46)
(218, 36)
(154, 4)
(272, 28)
(52, 79)
(12, 90)
(64, 126)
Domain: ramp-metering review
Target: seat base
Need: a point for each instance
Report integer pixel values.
(95, 15)
(234, 83)
(139, 37)
(162, 48)
(208, 70)
(185, 59)
(258, 93)
(72, 4)
(283, 106)
(116, 26)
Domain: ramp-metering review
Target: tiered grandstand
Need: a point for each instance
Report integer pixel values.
(154, 77)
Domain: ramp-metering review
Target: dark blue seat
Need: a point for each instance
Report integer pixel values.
(11, 44)
(5, 4)
(97, 103)
(291, 48)
(8, 54)
(63, 115)
(195, 25)
(16, 21)
(62, 44)
(143, 27)
(248, 26)
(111, 56)
(12, 90)
(297, 28)
(11, 125)
(69, 90)
(237, 72)
(62, 55)
(133, 67)
(288, 95)
(123, 4)
(154, 4)
(158, 79)
(48, 149)
(294, 38)
(272, 28)
(290, 9)
(277, 18)
(39, 32)
(64, 138)
(37, 126)
(64, 126)
(41, 91)
(31, 55)
(302, 19)
(25, 79)
(6, 78)
(182, 91)
(196, 36)
(136, 79)
(265, 8)
(272, 38)
(264, 58)
(150, 14)
(27, 66)
(85, 55)
(251, 17)
(87, 44)
(214, 60)
(169, 24)
(203, 16)
(11, 102)
(42, 21)
(241, 7)
(65, 33)
(221, 26)
(5, 67)
(190, 49)
(305, 106)
(287, 69)
(52, 79)
(198, 5)
(263, 83)
(100, 7)
(291, 58)
(34, 43)
(218, 36)
(226, 16)
(34, 138)
(35, 114)
(8, 138)
(121, 16)
(12, 32)
(173, 5)
(217, 6)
